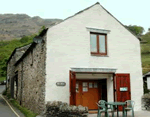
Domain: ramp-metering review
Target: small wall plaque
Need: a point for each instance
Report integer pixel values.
(60, 83)
(123, 88)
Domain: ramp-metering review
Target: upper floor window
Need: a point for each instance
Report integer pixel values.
(98, 44)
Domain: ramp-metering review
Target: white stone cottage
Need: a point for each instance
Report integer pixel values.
(88, 57)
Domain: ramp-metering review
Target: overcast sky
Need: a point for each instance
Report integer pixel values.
(134, 12)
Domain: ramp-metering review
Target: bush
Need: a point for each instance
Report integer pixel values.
(146, 102)
(146, 96)
(24, 39)
(61, 109)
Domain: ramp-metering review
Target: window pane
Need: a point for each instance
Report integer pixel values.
(90, 85)
(95, 85)
(93, 43)
(102, 43)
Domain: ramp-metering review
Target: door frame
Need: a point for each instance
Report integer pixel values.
(72, 85)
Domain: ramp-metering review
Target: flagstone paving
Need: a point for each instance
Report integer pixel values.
(137, 114)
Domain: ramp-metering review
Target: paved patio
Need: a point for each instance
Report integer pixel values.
(137, 114)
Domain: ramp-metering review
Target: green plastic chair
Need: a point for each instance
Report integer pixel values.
(102, 108)
(112, 108)
(130, 106)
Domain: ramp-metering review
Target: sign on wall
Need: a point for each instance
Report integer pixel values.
(60, 83)
(123, 88)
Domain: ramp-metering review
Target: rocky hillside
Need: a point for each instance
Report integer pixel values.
(18, 25)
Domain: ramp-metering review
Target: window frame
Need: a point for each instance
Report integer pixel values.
(97, 44)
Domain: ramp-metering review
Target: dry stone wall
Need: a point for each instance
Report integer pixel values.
(146, 102)
(61, 109)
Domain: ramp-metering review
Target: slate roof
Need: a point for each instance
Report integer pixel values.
(147, 74)
(19, 52)
(33, 44)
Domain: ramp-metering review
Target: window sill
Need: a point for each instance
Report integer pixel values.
(99, 55)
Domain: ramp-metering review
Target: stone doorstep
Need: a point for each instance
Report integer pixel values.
(93, 111)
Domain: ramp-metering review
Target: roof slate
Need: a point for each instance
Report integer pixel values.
(147, 74)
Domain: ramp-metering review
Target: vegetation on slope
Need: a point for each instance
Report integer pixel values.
(145, 53)
(145, 47)
(7, 47)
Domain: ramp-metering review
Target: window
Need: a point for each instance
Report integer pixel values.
(98, 44)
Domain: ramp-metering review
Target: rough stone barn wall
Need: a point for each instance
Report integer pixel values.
(10, 66)
(19, 69)
(10, 72)
(31, 71)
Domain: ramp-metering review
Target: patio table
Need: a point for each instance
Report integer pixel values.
(117, 104)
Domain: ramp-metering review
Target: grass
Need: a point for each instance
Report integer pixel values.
(145, 48)
(24, 110)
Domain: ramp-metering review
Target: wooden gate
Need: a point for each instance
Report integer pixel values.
(123, 91)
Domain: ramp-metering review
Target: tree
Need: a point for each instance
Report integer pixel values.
(137, 30)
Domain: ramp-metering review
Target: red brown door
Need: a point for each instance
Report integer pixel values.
(72, 88)
(87, 93)
(123, 91)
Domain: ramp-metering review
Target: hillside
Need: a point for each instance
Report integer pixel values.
(6, 48)
(19, 25)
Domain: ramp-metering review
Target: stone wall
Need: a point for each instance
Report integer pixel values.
(146, 102)
(18, 52)
(60, 109)
(10, 73)
(19, 69)
(31, 79)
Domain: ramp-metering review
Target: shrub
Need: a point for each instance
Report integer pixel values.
(146, 96)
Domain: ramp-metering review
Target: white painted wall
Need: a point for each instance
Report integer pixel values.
(68, 45)
(148, 82)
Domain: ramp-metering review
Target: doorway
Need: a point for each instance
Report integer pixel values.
(89, 92)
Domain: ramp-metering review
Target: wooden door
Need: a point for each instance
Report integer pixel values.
(87, 93)
(123, 91)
